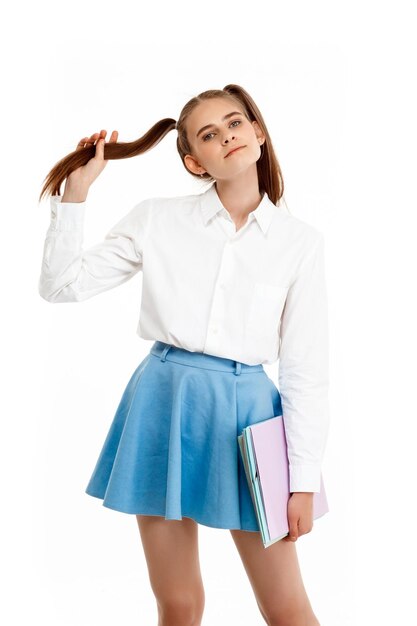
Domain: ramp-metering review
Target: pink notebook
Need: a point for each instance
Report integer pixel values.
(263, 448)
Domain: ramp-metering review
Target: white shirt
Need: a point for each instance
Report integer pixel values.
(252, 295)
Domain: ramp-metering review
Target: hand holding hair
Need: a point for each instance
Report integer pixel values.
(79, 181)
(82, 166)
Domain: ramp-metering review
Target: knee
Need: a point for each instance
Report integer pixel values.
(181, 611)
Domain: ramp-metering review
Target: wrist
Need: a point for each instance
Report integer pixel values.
(74, 195)
(74, 192)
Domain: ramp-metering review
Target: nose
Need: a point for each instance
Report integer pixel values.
(226, 140)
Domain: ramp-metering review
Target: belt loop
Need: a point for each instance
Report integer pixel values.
(164, 352)
(238, 367)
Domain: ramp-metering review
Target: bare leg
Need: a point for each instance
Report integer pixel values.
(275, 576)
(171, 552)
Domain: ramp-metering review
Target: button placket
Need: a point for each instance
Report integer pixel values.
(218, 304)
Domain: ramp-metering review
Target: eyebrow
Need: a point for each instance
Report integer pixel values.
(226, 117)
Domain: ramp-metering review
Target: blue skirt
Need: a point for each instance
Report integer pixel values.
(172, 447)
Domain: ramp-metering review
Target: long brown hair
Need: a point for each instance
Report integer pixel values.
(269, 171)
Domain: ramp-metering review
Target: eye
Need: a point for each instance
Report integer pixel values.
(205, 136)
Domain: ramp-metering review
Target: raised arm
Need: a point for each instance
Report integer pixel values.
(71, 274)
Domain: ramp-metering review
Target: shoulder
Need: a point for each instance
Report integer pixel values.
(167, 211)
(163, 203)
(297, 232)
(156, 211)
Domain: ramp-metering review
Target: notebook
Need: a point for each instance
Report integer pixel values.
(263, 448)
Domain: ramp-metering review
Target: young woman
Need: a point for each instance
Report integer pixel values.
(230, 281)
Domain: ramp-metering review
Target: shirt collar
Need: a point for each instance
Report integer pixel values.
(211, 204)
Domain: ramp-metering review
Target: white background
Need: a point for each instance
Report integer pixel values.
(336, 84)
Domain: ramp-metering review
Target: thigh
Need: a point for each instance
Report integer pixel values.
(275, 576)
(171, 552)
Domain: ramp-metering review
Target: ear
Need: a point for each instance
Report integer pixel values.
(193, 165)
(259, 134)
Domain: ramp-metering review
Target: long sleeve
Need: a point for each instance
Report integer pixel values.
(303, 371)
(71, 274)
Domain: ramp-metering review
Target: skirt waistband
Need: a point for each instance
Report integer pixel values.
(168, 352)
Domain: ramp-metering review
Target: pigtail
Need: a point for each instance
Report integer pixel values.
(112, 151)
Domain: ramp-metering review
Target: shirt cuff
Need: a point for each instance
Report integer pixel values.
(67, 215)
(305, 478)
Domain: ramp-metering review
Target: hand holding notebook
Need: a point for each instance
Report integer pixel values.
(263, 449)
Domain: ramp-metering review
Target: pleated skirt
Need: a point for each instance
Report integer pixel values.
(172, 450)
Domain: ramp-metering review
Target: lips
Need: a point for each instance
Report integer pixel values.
(234, 150)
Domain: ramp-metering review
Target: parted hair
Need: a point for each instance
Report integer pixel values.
(269, 172)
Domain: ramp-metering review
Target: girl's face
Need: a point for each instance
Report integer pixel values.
(215, 127)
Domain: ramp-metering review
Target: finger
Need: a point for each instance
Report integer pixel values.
(95, 138)
(81, 143)
(293, 529)
(293, 534)
(102, 134)
(290, 537)
(88, 141)
(114, 136)
(100, 148)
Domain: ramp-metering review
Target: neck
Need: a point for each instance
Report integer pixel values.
(239, 195)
